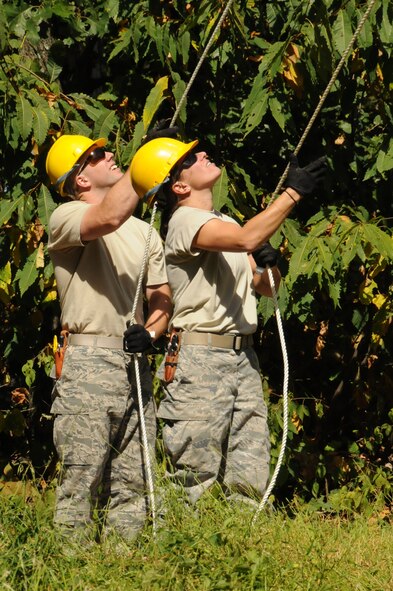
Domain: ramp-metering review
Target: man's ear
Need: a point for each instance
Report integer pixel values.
(82, 182)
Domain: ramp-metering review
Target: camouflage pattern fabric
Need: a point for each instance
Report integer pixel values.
(215, 423)
(98, 439)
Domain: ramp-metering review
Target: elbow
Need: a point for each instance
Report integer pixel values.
(114, 221)
(251, 244)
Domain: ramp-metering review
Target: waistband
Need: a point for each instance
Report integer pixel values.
(223, 341)
(92, 340)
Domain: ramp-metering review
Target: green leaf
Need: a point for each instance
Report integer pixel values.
(386, 27)
(272, 59)
(381, 242)
(26, 276)
(105, 124)
(25, 116)
(325, 256)
(255, 110)
(40, 125)
(276, 109)
(291, 232)
(178, 90)
(92, 107)
(46, 206)
(350, 246)
(121, 43)
(29, 372)
(7, 208)
(334, 290)
(220, 191)
(185, 42)
(342, 31)
(385, 159)
(112, 8)
(300, 263)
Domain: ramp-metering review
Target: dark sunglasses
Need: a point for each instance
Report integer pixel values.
(95, 156)
(188, 161)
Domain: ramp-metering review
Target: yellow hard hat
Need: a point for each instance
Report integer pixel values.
(153, 162)
(64, 155)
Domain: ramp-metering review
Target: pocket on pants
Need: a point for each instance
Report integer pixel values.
(79, 440)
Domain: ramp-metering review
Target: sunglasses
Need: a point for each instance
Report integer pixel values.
(95, 156)
(188, 161)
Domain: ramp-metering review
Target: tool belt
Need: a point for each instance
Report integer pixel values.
(59, 350)
(92, 340)
(222, 341)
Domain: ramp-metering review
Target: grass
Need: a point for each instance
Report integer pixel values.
(210, 549)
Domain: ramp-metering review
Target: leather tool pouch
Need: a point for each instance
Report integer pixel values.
(172, 355)
(59, 354)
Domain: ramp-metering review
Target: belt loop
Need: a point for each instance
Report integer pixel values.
(209, 340)
(237, 343)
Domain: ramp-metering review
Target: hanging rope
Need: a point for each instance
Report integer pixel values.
(271, 278)
(145, 443)
(204, 54)
(138, 291)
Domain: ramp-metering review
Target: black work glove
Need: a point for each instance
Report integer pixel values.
(305, 180)
(136, 339)
(159, 130)
(266, 256)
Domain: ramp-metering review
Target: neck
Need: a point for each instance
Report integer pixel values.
(199, 200)
(94, 196)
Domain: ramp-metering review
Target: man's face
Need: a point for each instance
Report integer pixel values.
(100, 168)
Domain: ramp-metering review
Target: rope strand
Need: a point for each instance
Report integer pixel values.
(271, 278)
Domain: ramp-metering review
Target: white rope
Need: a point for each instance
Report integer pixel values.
(285, 398)
(145, 443)
(271, 278)
(204, 54)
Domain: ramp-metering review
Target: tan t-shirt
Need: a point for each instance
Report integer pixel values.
(97, 281)
(212, 291)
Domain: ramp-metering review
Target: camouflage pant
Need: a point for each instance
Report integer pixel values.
(215, 422)
(98, 439)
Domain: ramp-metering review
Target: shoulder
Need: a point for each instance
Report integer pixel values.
(67, 213)
(68, 209)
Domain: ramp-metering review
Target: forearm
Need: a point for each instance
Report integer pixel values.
(262, 283)
(261, 227)
(111, 212)
(225, 236)
(160, 309)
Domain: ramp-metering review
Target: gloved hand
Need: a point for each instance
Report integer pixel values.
(266, 256)
(159, 130)
(136, 339)
(305, 180)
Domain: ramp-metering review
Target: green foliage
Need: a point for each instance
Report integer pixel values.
(114, 68)
(211, 549)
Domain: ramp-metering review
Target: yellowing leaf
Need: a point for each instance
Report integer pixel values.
(40, 263)
(366, 291)
(154, 100)
(50, 296)
(379, 300)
